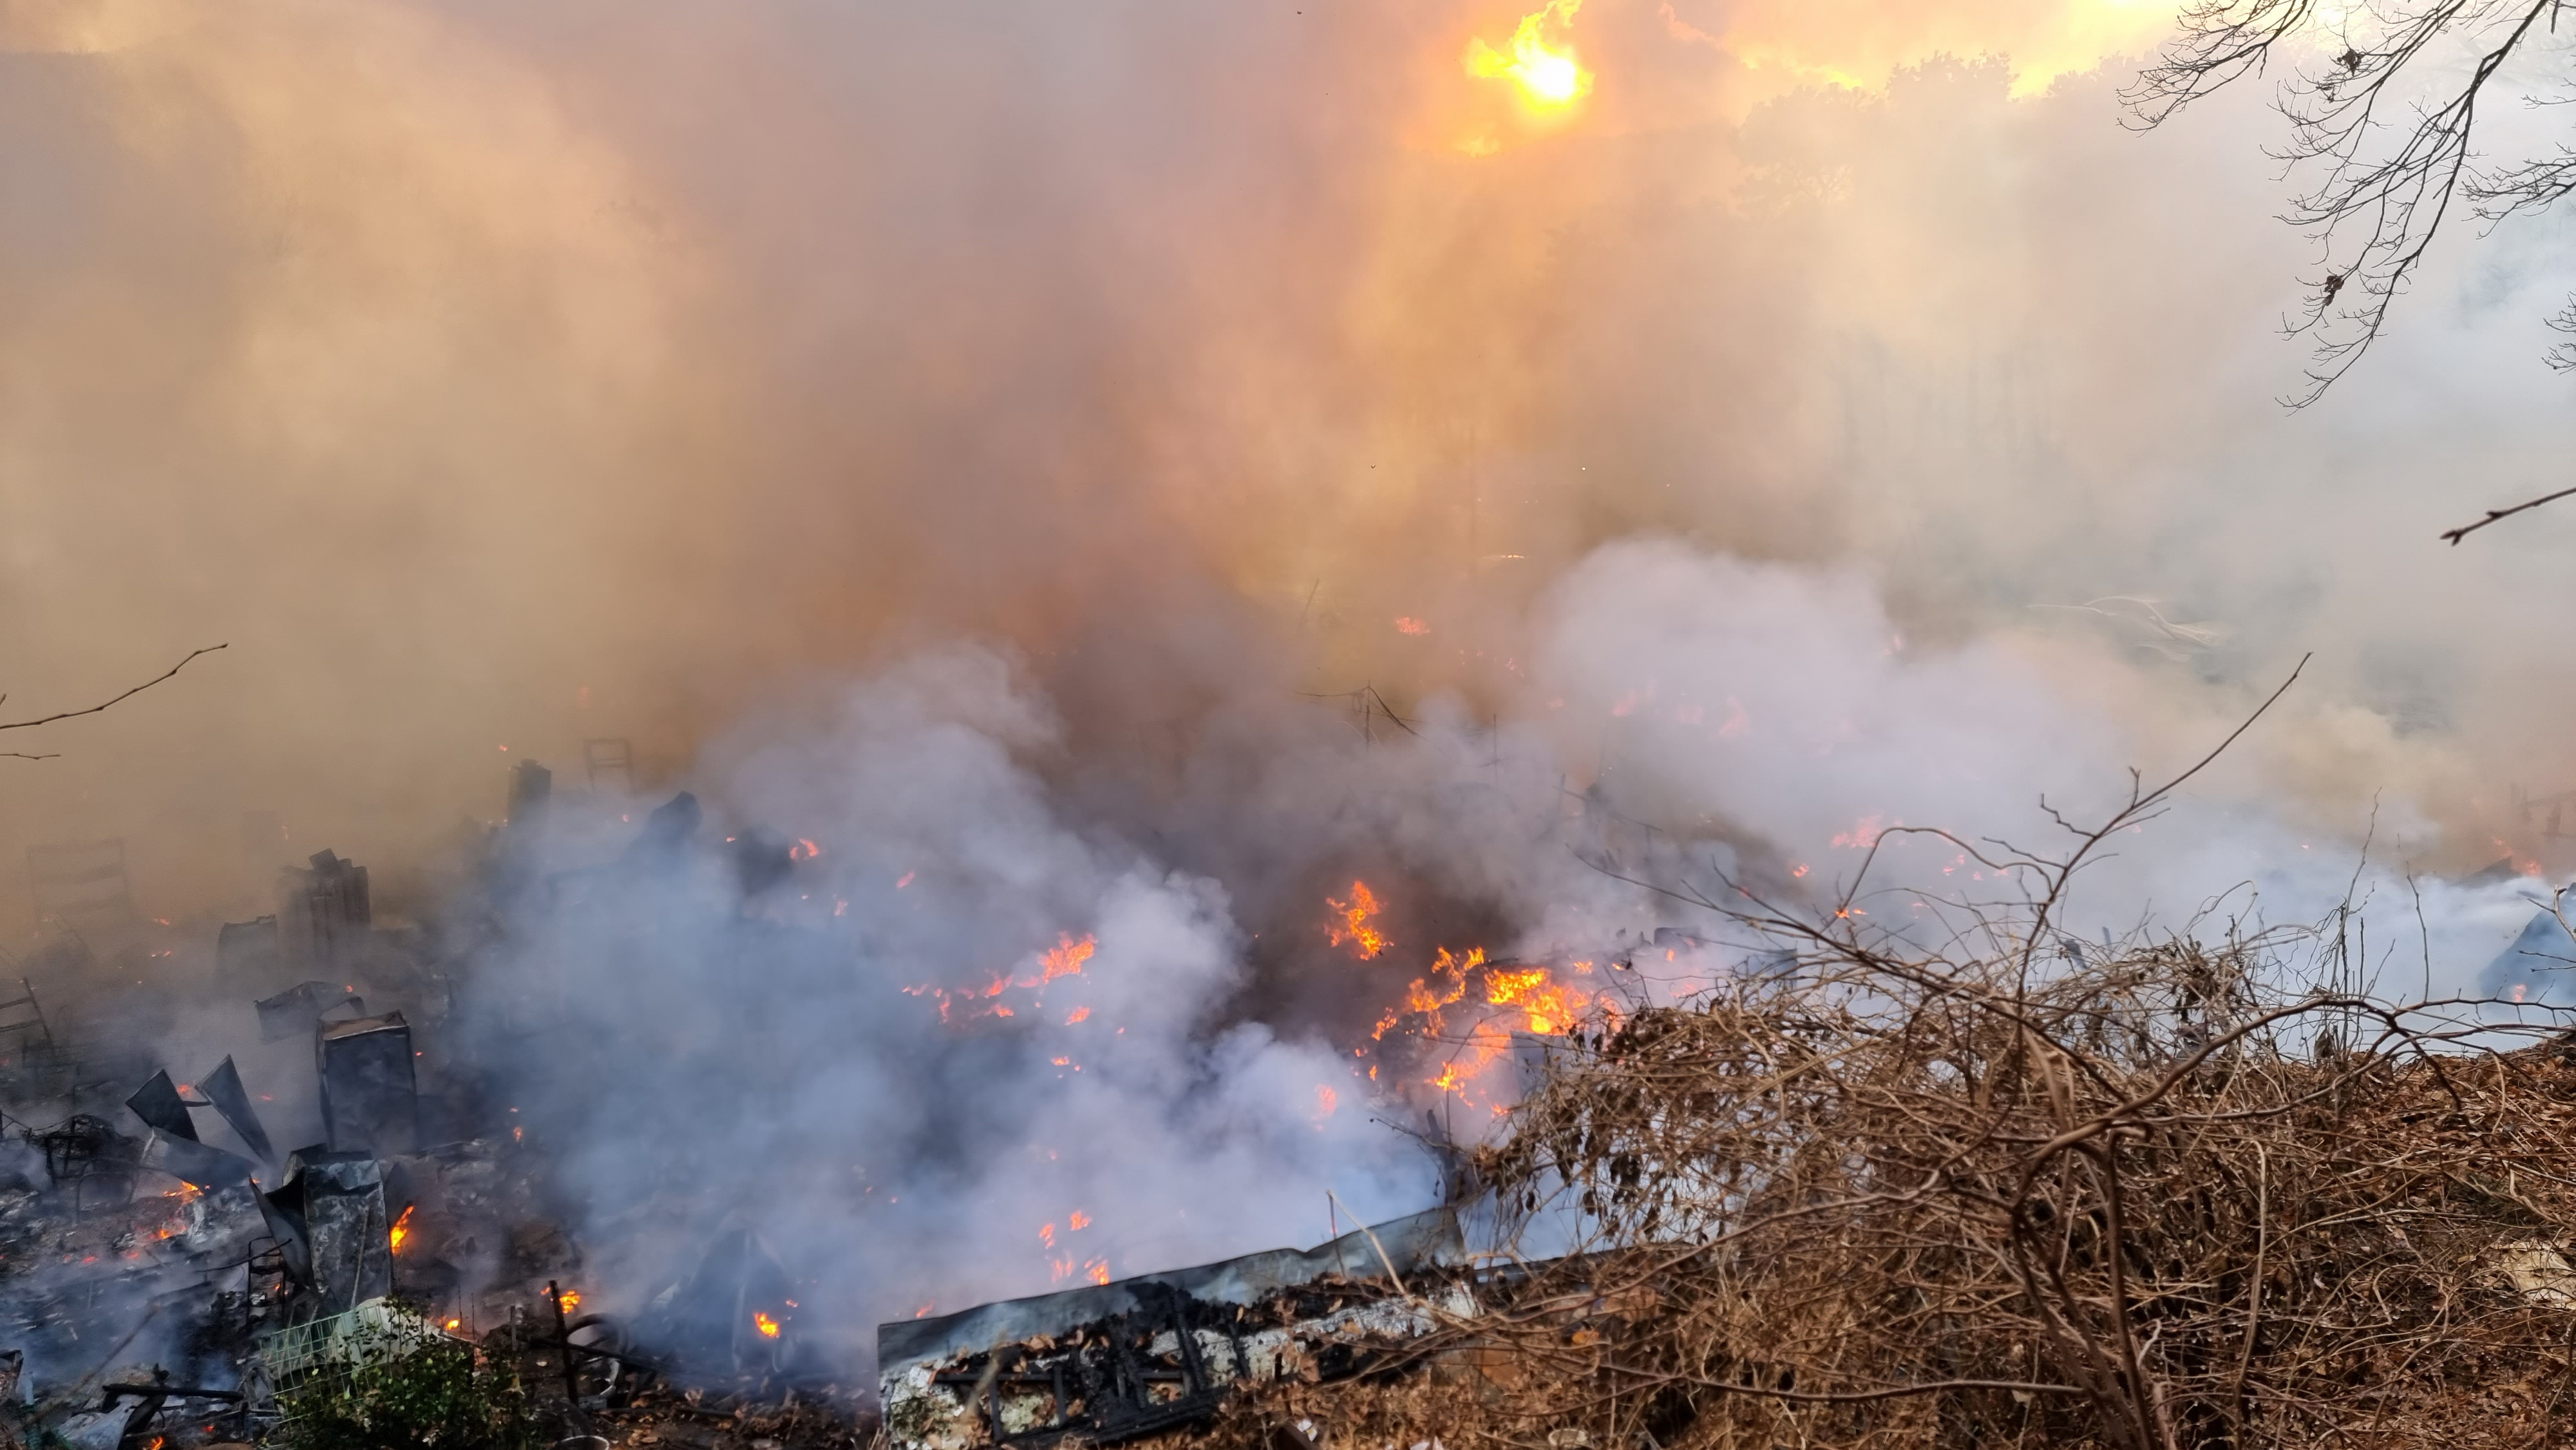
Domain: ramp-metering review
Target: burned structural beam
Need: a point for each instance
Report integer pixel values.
(1142, 1356)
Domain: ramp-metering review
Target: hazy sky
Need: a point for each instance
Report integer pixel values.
(491, 377)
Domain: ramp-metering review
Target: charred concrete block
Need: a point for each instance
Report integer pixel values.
(370, 1100)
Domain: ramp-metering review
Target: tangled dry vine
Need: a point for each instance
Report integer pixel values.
(2014, 1188)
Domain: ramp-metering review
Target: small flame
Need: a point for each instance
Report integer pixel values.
(402, 1227)
(767, 1326)
(1096, 1270)
(1407, 624)
(804, 850)
(1351, 923)
(570, 1299)
(1080, 1220)
(1066, 958)
(1549, 77)
(1078, 1014)
(1864, 833)
(1325, 1101)
(1047, 1235)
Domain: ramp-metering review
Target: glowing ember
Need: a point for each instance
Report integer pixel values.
(767, 1326)
(1863, 834)
(1047, 1234)
(1076, 1015)
(402, 1227)
(1351, 923)
(1097, 1271)
(1548, 76)
(1080, 1220)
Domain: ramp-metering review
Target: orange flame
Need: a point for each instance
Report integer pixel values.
(402, 1227)
(570, 1299)
(1080, 1220)
(1097, 1271)
(1064, 959)
(767, 1326)
(1351, 923)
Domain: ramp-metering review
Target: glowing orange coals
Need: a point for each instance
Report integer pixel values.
(1548, 76)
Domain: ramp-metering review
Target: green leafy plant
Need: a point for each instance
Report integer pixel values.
(442, 1393)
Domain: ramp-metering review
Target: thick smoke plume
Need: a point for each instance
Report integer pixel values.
(1118, 474)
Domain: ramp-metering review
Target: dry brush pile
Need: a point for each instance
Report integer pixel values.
(2032, 1194)
(2128, 1205)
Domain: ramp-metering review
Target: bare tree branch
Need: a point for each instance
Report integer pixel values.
(2387, 162)
(94, 709)
(2453, 536)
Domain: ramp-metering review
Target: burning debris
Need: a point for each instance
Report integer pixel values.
(1166, 1352)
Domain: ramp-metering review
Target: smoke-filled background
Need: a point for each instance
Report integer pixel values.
(1125, 471)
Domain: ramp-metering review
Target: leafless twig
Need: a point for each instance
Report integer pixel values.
(2453, 536)
(94, 709)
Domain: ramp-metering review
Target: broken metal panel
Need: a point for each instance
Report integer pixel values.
(370, 1098)
(1142, 1356)
(296, 1011)
(223, 1088)
(160, 1107)
(336, 1234)
(194, 1163)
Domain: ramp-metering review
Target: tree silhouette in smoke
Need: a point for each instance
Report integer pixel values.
(2388, 163)
(94, 709)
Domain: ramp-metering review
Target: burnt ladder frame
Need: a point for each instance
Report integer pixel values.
(1124, 1383)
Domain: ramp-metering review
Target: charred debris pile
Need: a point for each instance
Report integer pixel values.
(1861, 1192)
(173, 1272)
